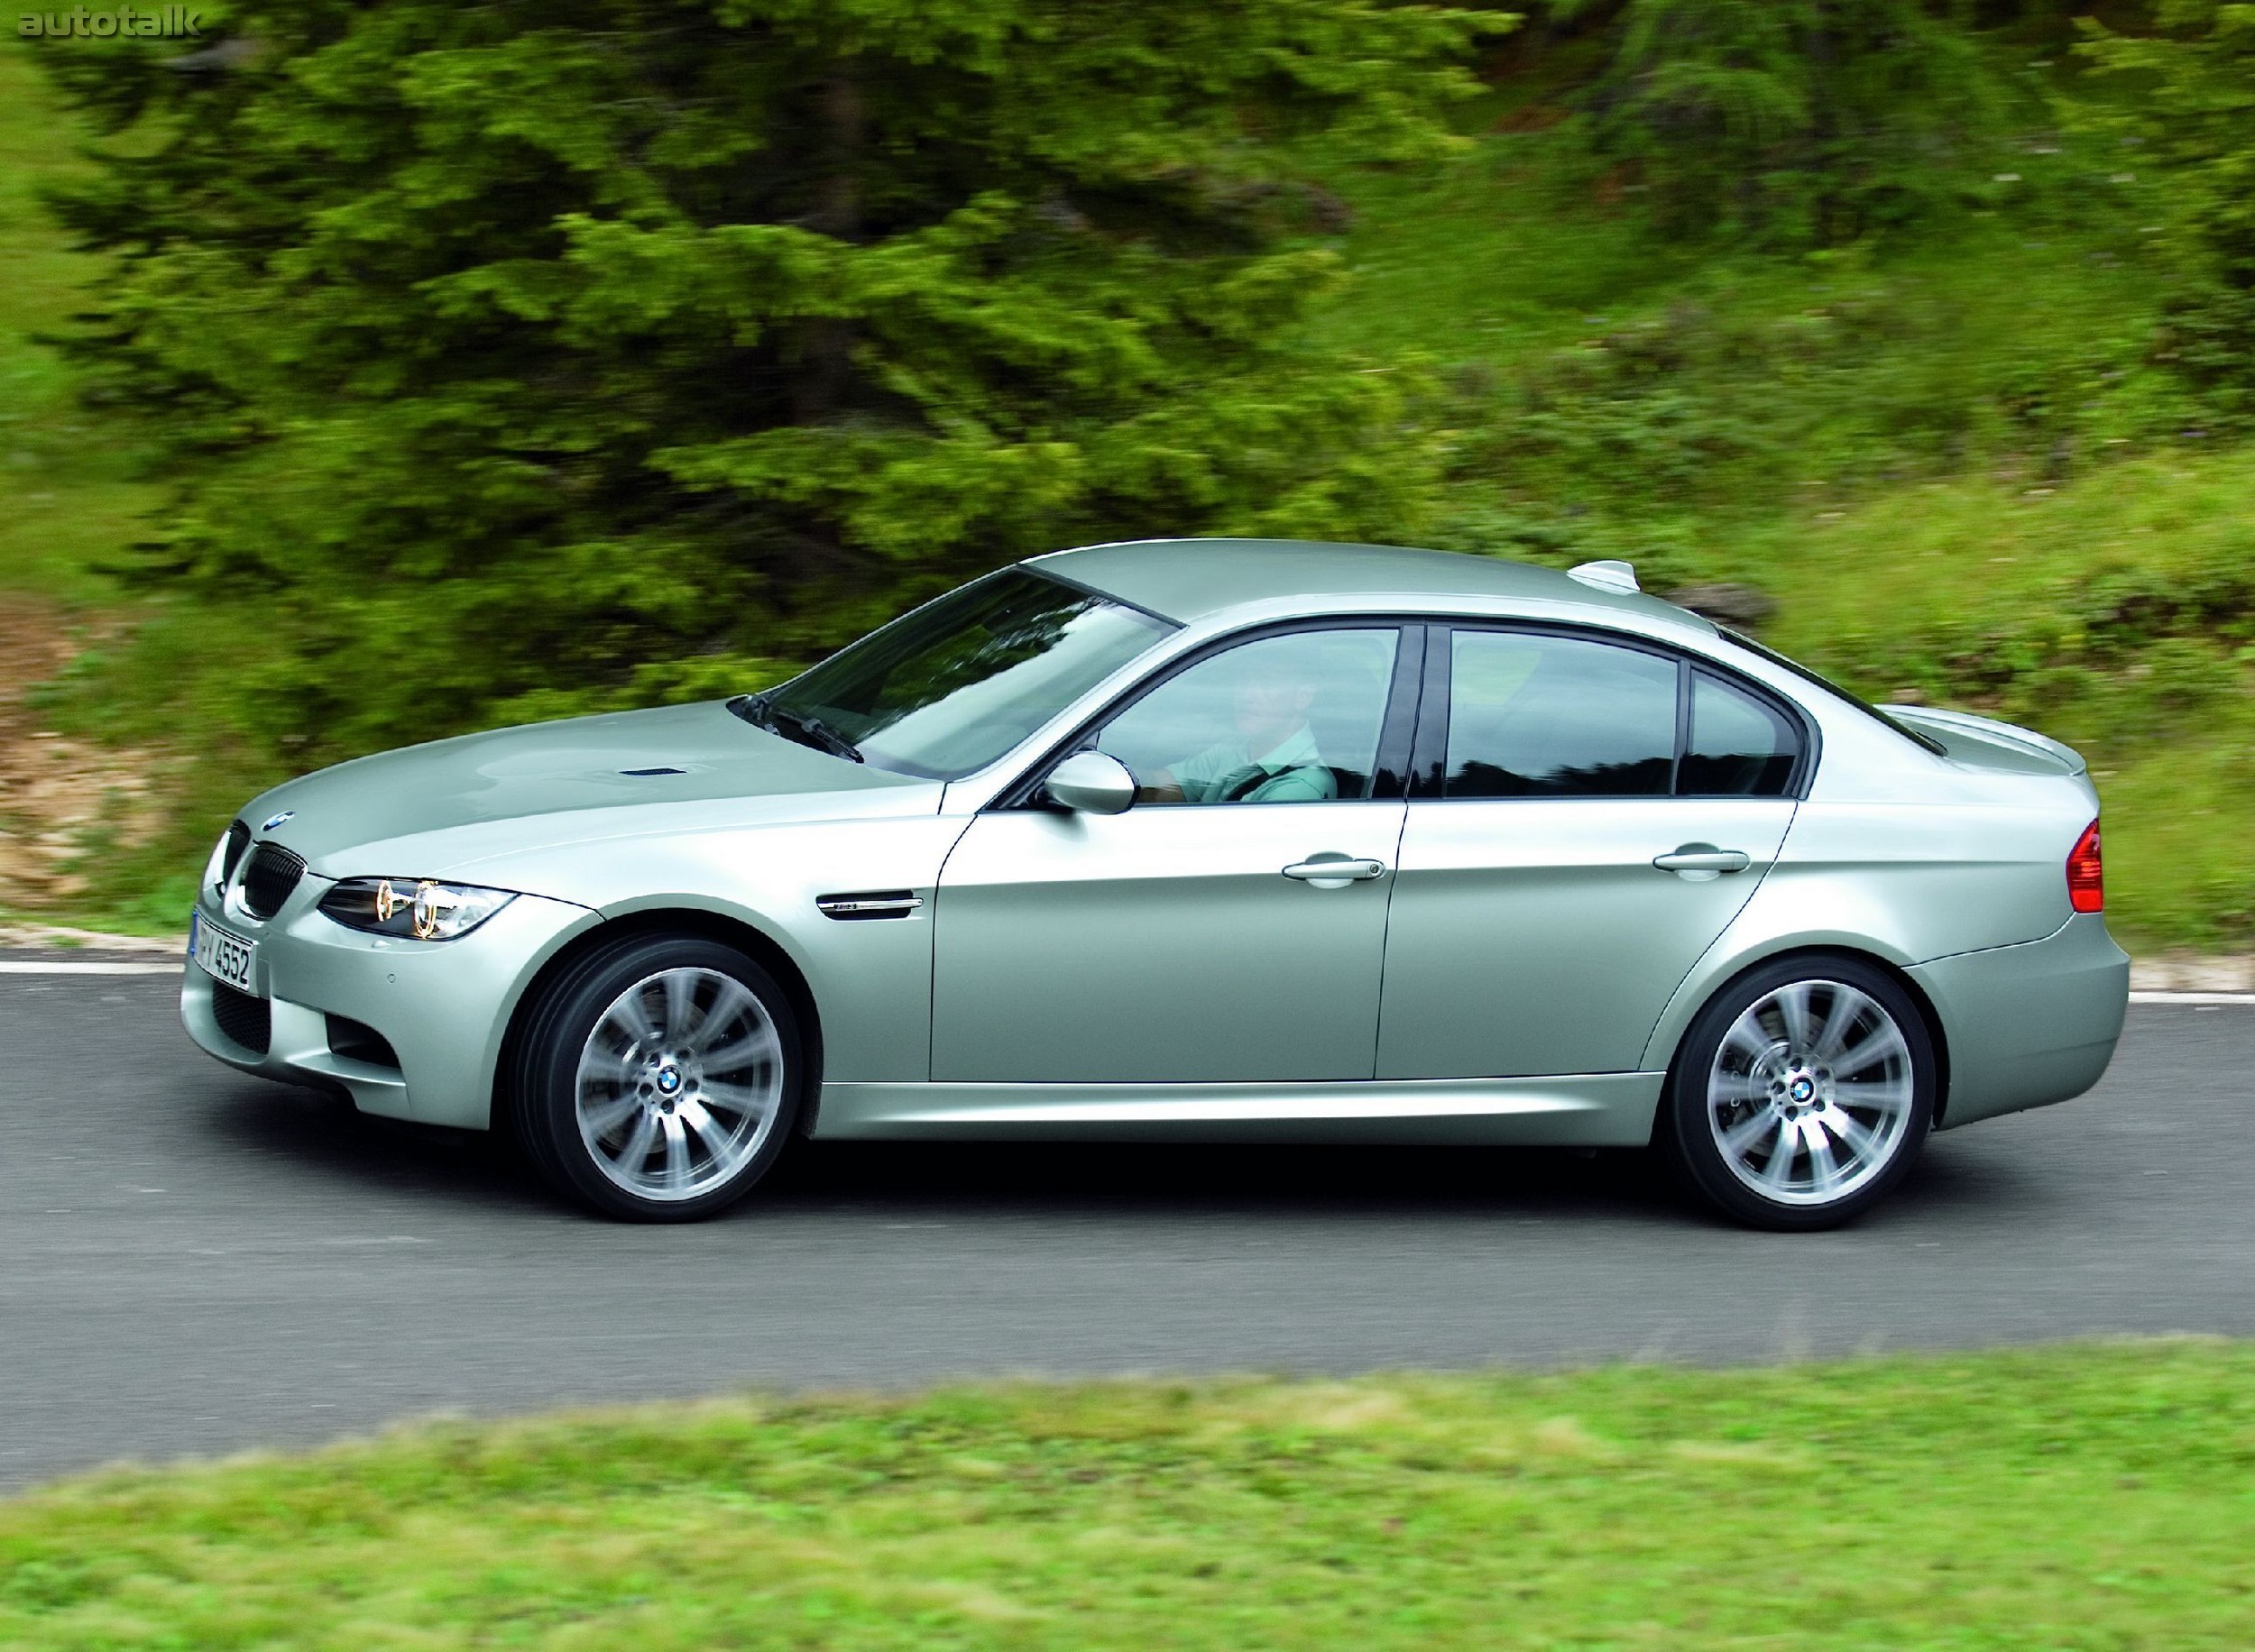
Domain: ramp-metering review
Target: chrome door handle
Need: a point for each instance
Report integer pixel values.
(1335, 873)
(1702, 857)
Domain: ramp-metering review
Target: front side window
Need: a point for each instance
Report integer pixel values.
(1294, 718)
(947, 689)
(1535, 715)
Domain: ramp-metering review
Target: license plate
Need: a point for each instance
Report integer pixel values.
(220, 955)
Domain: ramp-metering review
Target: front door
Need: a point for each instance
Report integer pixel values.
(1195, 937)
(1532, 931)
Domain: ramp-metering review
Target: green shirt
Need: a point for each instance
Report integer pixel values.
(1294, 773)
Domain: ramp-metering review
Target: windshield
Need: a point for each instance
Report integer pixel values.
(1830, 687)
(949, 687)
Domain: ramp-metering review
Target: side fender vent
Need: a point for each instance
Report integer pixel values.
(870, 904)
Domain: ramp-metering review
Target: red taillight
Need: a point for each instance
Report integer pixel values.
(2086, 873)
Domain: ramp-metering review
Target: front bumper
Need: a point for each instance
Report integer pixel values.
(2030, 1024)
(442, 1006)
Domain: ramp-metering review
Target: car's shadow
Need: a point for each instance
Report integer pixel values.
(1213, 1177)
(323, 1135)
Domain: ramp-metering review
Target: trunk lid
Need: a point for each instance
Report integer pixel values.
(1979, 742)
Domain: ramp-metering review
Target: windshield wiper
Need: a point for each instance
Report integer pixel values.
(762, 713)
(818, 733)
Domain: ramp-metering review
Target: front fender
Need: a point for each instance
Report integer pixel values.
(870, 979)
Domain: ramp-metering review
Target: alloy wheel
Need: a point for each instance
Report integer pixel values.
(679, 1084)
(1810, 1093)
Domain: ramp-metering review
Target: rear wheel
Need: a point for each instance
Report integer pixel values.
(659, 1079)
(1802, 1094)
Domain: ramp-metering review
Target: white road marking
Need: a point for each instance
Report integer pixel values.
(2192, 998)
(42, 967)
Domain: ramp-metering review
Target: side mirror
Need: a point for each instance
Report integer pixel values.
(1089, 782)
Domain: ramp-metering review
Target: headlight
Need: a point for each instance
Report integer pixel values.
(413, 907)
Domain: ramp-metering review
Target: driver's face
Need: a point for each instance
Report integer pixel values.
(1270, 707)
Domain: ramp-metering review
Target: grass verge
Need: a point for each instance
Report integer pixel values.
(2092, 1497)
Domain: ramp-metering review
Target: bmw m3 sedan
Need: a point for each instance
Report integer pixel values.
(1197, 841)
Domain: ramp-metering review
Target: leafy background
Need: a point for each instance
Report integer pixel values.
(370, 372)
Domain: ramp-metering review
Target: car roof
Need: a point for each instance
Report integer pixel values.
(1188, 580)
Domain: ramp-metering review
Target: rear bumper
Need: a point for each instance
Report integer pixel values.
(2031, 1024)
(443, 1007)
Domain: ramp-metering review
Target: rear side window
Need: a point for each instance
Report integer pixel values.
(1740, 745)
(1535, 715)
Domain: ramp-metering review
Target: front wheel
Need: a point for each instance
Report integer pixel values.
(659, 1079)
(1802, 1094)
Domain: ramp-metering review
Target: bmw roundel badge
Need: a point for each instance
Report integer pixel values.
(287, 814)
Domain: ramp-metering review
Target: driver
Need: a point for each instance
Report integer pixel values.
(1272, 760)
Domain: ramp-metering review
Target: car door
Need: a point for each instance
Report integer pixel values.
(1588, 814)
(1196, 937)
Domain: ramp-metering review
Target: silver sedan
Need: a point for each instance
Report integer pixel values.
(1197, 840)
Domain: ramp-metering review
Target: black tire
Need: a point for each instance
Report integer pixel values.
(547, 1079)
(1777, 1179)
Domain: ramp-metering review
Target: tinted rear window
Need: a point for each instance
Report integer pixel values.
(1741, 745)
(1532, 715)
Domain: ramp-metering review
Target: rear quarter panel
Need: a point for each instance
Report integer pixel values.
(1902, 854)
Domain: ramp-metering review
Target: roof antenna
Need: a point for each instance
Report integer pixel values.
(1608, 575)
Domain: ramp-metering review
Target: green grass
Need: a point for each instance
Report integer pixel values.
(2092, 1497)
(2022, 321)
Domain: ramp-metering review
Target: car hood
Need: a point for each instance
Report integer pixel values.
(580, 769)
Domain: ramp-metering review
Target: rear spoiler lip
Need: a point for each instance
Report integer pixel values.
(1988, 727)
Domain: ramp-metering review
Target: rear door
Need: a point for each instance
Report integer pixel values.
(1588, 813)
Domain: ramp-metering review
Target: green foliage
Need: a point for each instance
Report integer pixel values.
(1607, 396)
(2116, 613)
(497, 352)
(1796, 122)
(68, 491)
(2079, 1498)
(1948, 458)
(2193, 105)
(507, 356)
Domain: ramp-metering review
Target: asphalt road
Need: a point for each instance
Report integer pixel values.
(194, 1262)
